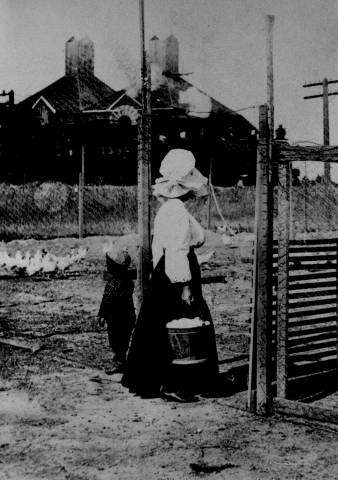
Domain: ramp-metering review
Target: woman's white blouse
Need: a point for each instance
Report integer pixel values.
(175, 231)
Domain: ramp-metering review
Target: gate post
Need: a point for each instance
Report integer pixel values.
(260, 349)
(143, 172)
(284, 182)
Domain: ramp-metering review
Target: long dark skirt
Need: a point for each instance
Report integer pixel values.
(148, 365)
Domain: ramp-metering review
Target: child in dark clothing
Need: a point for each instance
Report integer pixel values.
(117, 308)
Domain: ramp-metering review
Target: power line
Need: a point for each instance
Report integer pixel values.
(245, 108)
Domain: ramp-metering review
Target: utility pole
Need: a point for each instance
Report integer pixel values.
(326, 124)
(270, 20)
(143, 187)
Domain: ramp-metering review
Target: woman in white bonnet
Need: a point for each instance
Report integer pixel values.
(175, 287)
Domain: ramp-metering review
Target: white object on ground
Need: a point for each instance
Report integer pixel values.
(205, 257)
(41, 261)
(227, 239)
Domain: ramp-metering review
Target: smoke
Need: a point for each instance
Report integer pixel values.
(198, 103)
(130, 67)
(132, 70)
(156, 76)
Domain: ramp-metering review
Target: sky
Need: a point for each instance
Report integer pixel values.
(223, 42)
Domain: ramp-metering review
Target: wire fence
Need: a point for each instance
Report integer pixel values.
(313, 202)
(50, 210)
(53, 209)
(314, 209)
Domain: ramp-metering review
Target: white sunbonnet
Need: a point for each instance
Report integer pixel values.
(179, 176)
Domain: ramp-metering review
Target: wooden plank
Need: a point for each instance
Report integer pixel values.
(298, 341)
(313, 303)
(315, 246)
(284, 180)
(315, 253)
(308, 308)
(307, 249)
(299, 278)
(304, 286)
(312, 257)
(294, 334)
(291, 153)
(313, 321)
(312, 345)
(20, 344)
(298, 295)
(306, 368)
(316, 257)
(311, 313)
(311, 276)
(304, 410)
(312, 356)
(309, 267)
(317, 294)
(311, 329)
(307, 256)
(313, 387)
(311, 241)
(312, 294)
(325, 369)
(294, 295)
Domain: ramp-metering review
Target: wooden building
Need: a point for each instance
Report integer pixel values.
(48, 129)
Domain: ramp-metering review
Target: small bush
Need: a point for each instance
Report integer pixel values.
(51, 197)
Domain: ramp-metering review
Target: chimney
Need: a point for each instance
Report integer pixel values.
(155, 50)
(80, 57)
(156, 61)
(171, 54)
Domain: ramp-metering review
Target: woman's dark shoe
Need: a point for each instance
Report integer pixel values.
(148, 394)
(115, 367)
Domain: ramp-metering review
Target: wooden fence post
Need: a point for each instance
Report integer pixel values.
(143, 175)
(260, 350)
(143, 201)
(80, 206)
(284, 182)
(81, 192)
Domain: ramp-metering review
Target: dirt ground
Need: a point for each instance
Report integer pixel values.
(62, 417)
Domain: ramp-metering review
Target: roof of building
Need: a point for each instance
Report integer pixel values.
(175, 91)
(71, 94)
